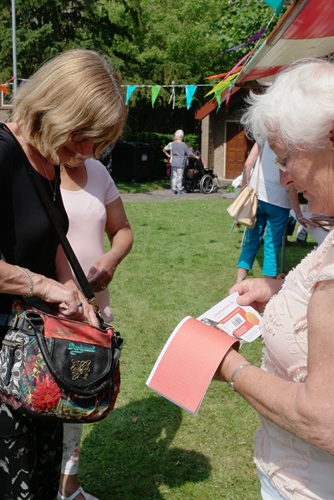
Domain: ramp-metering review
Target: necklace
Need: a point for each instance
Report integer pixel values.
(53, 189)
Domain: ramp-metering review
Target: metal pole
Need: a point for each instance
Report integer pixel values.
(14, 47)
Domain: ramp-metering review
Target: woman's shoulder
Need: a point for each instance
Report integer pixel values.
(7, 141)
(96, 169)
(9, 151)
(99, 181)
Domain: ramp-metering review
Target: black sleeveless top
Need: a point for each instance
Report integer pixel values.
(27, 236)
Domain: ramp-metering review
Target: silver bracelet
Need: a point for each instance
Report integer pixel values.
(231, 382)
(30, 279)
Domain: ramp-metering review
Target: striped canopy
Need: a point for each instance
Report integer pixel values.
(305, 30)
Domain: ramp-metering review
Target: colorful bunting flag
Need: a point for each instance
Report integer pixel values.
(4, 89)
(190, 91)
(129, 91)
(221, 75)
(234, 69)
(275, 4)
(155, 92)
(252, 38)
(223, 85)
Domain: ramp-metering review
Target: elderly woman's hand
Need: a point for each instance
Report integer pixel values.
(256, 292)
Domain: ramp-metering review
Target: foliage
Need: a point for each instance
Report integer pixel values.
(229, 189)
(148, 41)
(183, 262)
(159, 141)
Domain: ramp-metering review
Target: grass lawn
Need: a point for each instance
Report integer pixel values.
(183, 262)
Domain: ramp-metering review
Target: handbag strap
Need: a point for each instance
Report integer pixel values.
(55, 220)
(258, 171)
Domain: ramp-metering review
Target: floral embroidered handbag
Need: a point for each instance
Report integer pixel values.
(52, 367)
(59, 368)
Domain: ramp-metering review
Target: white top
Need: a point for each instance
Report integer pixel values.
(269, 188)
(296, 468)
(87, 220)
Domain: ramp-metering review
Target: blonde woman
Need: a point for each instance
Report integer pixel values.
(73, 105)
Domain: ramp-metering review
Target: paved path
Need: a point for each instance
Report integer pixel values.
(166, 195)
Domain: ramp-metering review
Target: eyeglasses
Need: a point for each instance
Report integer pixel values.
(280, 163)
(78, 138)
(107, 151)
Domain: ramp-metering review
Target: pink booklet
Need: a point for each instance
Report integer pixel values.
(193, 352)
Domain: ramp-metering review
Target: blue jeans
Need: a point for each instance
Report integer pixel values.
(270, 226)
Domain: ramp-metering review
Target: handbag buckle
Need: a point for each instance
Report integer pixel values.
(14, 321)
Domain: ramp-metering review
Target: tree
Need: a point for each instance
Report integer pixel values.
(148, 41)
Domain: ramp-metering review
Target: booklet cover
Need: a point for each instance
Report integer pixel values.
(194, 350)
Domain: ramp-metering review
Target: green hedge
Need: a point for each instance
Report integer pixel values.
(159, 141)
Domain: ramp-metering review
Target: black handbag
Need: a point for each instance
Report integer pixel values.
(57, 368)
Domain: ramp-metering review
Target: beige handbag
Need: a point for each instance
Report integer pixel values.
(243, 209)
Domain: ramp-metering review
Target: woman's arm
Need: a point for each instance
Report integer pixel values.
(304, 409)
(167, 153)
(16, 280)
(121, 238)
(249, 163)
(64, 275)
(294, 201)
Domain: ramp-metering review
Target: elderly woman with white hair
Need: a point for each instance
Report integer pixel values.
(177, 152)
(293, 391)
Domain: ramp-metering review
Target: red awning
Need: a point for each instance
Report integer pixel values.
(305, 30)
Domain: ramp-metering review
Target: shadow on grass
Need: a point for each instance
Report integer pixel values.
(129, 455)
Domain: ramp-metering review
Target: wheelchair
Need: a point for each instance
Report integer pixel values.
(197, 177)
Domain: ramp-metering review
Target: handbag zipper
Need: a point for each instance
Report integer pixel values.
(12, 343)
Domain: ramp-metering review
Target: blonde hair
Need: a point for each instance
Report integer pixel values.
(76, 91)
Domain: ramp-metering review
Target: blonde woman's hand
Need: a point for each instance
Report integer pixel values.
(71, 303)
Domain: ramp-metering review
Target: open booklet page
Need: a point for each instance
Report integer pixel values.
(194, 350)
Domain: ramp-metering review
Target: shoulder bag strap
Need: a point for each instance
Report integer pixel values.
(258, 172)
(54, 218)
